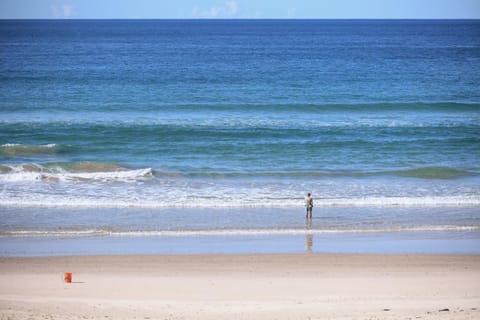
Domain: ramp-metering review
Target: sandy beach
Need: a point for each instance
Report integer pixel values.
(281, 286)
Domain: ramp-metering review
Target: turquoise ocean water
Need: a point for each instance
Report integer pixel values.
(218, 128)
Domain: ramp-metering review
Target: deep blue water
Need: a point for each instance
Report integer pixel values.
(239, 113)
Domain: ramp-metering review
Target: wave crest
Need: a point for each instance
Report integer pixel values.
(76, 171)
(420, 173)
(19, 150)
(433, 173)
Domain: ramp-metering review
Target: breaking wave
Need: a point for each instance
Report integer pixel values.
(71, 171)
(110, 172)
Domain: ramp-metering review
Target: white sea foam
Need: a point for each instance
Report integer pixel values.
(49, 200)
(50, 145)
(228, 232)
(124, 176)
(35, 172)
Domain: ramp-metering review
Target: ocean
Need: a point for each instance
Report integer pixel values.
(161, 134)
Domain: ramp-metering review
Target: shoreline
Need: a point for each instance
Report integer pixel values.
(455, 242)
(56, 232)
(242, 286)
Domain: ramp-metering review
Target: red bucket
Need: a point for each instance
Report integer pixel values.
(67, 277)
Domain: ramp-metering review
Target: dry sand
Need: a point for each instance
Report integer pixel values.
(284, 286)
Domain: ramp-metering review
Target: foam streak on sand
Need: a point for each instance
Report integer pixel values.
(295, 286)
(229, 232)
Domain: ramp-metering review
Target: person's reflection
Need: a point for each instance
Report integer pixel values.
(308, 235)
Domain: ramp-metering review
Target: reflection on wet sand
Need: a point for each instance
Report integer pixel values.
(308, 236)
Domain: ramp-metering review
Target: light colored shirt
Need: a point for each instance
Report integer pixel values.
(308, 201)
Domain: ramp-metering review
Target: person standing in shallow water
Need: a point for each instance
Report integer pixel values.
(309, 205)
